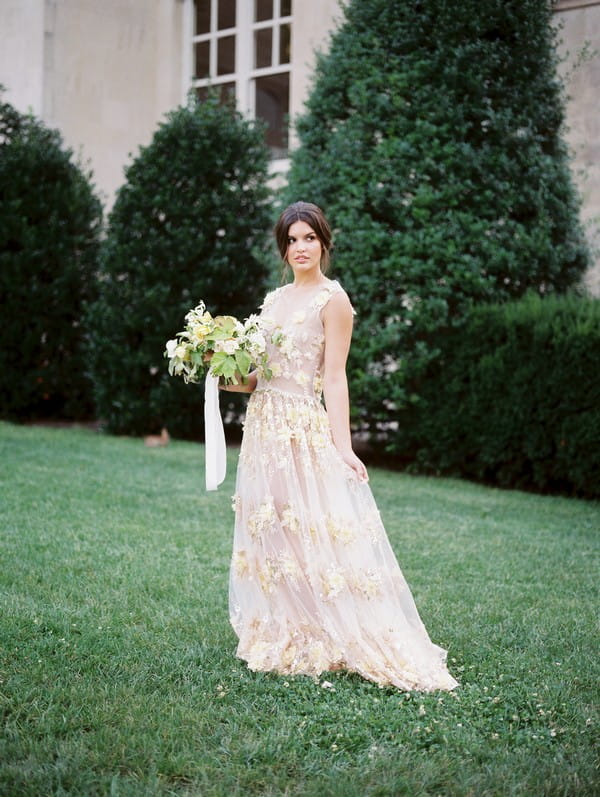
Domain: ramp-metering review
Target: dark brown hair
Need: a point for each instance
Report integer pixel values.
(315, 218)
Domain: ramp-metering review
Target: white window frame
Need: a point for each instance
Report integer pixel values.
(245, 75)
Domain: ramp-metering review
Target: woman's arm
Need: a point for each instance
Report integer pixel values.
(249, 387)
(337, 321)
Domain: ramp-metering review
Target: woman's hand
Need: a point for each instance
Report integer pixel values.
(248, 387)
(356, 464)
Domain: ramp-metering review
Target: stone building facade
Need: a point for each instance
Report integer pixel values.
(105, 73)
(579, 23)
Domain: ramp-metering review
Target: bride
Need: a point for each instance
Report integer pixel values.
(314, 583)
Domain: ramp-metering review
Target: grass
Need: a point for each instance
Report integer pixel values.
(117, 665)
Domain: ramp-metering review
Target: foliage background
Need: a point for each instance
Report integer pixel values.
(432, 139)
(514, 397)
(50, 225)
(188, 225)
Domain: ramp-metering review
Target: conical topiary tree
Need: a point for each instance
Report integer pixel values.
(188, 225)
(50, 221)
(432, 139)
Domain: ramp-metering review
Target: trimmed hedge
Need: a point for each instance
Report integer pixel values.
(514, 398)
(50, 225)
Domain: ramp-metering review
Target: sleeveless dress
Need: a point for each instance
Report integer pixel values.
(314, 583)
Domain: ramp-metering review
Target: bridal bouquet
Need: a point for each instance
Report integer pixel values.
(223, 346)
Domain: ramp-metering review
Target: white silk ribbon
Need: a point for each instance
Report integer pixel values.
(214, 434)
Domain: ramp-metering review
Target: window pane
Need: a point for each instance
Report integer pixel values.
(284, 44)
(263, 47)
(225, 92)
(263, 9)
(202, 59)
(226, 14)
(202, 16)
(272, 105)
(226, 55)
(286, 8)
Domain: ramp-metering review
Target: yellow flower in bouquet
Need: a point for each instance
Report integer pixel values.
(226, 347)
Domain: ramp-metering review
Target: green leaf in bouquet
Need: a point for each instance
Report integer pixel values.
(224, 365)
(217, 360)
(225, 326)
(244, 361)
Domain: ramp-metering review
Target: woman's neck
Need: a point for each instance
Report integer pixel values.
(308, 280)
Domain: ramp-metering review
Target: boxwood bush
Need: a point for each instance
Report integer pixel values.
(514, 398)
(433, 140)
(188, 224)
(50, 224)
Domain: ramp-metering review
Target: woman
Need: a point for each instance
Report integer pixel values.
(314, 584)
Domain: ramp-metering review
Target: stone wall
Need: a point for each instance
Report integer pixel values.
(579, 26)
(22, 53)
(310, 34)
(103, 73)
(113, 69)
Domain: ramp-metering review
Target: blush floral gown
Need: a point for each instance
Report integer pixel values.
(314, 584)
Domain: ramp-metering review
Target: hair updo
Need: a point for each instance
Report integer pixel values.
(315, 218)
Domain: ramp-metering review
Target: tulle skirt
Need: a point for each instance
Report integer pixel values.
(314, 583)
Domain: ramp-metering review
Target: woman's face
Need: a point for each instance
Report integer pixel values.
(304, 248)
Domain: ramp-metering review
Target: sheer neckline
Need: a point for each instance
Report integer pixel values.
(322, 285)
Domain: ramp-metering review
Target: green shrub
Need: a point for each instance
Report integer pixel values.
(188, 224)
(50, 224)
(514, 398)
(432, 139)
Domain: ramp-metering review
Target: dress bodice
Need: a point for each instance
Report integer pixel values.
(292, 324)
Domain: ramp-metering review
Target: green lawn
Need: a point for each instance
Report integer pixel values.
(117, 667)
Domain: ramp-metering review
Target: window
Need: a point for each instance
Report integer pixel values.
(243, 49)
(214, 39)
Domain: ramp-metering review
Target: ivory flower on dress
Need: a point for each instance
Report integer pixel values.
(262, 520)
(258, 654)
(289, 568)
(317, 656)
(268, 575)
(339, 529)
(286, 346)
(333, 581)
(290, 519)
(321, 299)
(318, 440)
(301, 378)
(240, 563)
(370, 584)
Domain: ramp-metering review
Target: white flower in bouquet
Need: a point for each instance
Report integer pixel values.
(228, 346)
(171, 348)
